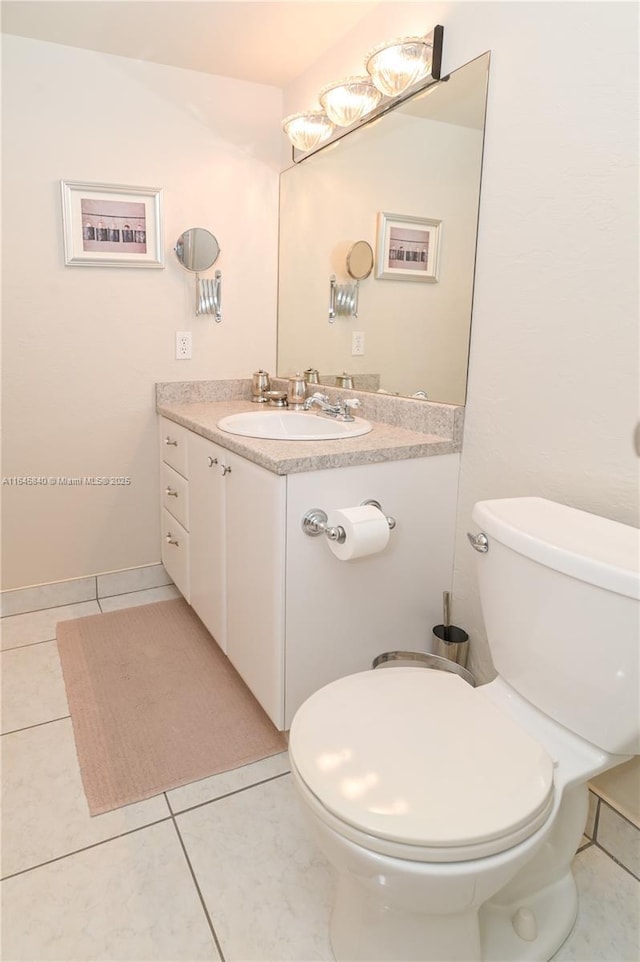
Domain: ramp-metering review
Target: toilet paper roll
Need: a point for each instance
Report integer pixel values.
(366, 529)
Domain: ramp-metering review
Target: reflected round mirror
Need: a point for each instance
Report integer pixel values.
(197, 249)
(360, 260)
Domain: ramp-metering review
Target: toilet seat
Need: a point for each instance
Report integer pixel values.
(416, 763)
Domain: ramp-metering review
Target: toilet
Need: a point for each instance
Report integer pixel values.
(451, 814)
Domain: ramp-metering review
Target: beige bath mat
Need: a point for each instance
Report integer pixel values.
(155, 704)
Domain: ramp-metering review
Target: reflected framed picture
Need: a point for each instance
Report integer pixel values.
(408, 248)
(110, 225)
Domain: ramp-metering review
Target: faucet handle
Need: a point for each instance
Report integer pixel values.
(346, 406)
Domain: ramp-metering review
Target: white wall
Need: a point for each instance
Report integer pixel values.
(553, 384)
(84, 346)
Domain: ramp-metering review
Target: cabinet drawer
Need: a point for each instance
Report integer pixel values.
(175, 494)
(173, 445)
(175, 552)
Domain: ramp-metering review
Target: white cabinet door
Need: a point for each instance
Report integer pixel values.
(255, 537)
(207, 485)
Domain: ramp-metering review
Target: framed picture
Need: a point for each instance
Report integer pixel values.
(108, 225)
(408, 248)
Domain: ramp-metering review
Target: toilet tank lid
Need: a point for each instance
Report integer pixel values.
(586, 546)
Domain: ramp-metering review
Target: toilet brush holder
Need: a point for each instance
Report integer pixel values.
(452, 643)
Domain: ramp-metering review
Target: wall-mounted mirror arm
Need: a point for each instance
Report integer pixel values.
(343, 299)
(197, 250)
(209, 296)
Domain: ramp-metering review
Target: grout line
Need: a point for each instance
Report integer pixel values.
(30, 644)
(596, 820)
(86, 848)
(617, 861)
(27, 728)
(236, 791)
(197, 886)
(136, 591)
(132, 591)
(95, 597)
(620, 815)
(65, 604)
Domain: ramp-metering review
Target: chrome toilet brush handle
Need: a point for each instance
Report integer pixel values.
(446, 613)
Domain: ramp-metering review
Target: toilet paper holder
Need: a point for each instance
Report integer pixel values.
(315, 523)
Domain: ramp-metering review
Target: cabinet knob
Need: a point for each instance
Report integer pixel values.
(211, 461)
(168, 440)
(225, 469)
(171, 540)
(170, 494)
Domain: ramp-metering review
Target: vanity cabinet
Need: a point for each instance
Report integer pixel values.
(228, 561)
(340, 615)
(175, 551)
(289, 614)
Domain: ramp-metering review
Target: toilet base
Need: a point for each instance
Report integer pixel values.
(367, 930)
(531, 930)
(544, 920)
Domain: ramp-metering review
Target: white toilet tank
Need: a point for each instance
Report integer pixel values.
(560, 593)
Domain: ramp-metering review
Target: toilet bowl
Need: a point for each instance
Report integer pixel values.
(451, 814)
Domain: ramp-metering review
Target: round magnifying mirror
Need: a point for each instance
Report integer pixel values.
(360, 260)
(197, 249)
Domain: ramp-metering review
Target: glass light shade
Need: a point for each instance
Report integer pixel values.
(307, 130)
(396, 65)
(349, 100)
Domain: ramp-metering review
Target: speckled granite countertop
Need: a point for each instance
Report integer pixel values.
(386, 442)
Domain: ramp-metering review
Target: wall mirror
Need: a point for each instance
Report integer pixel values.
(360, 260)
(197, 249)
(421, 159)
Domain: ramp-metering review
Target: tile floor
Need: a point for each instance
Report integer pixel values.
(220, 869)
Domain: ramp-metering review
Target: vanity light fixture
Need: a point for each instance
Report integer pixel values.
(398, 64)
(307, 130)
(392, 68)
(349, 100)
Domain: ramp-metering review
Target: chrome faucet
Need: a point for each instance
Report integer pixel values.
(341, 410)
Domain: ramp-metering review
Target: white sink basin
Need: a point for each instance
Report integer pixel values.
(292, 426)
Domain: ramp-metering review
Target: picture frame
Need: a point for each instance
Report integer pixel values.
(111, 225)
(401, 235)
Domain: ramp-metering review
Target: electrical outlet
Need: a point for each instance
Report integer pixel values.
(183, 345)
(357, 343)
